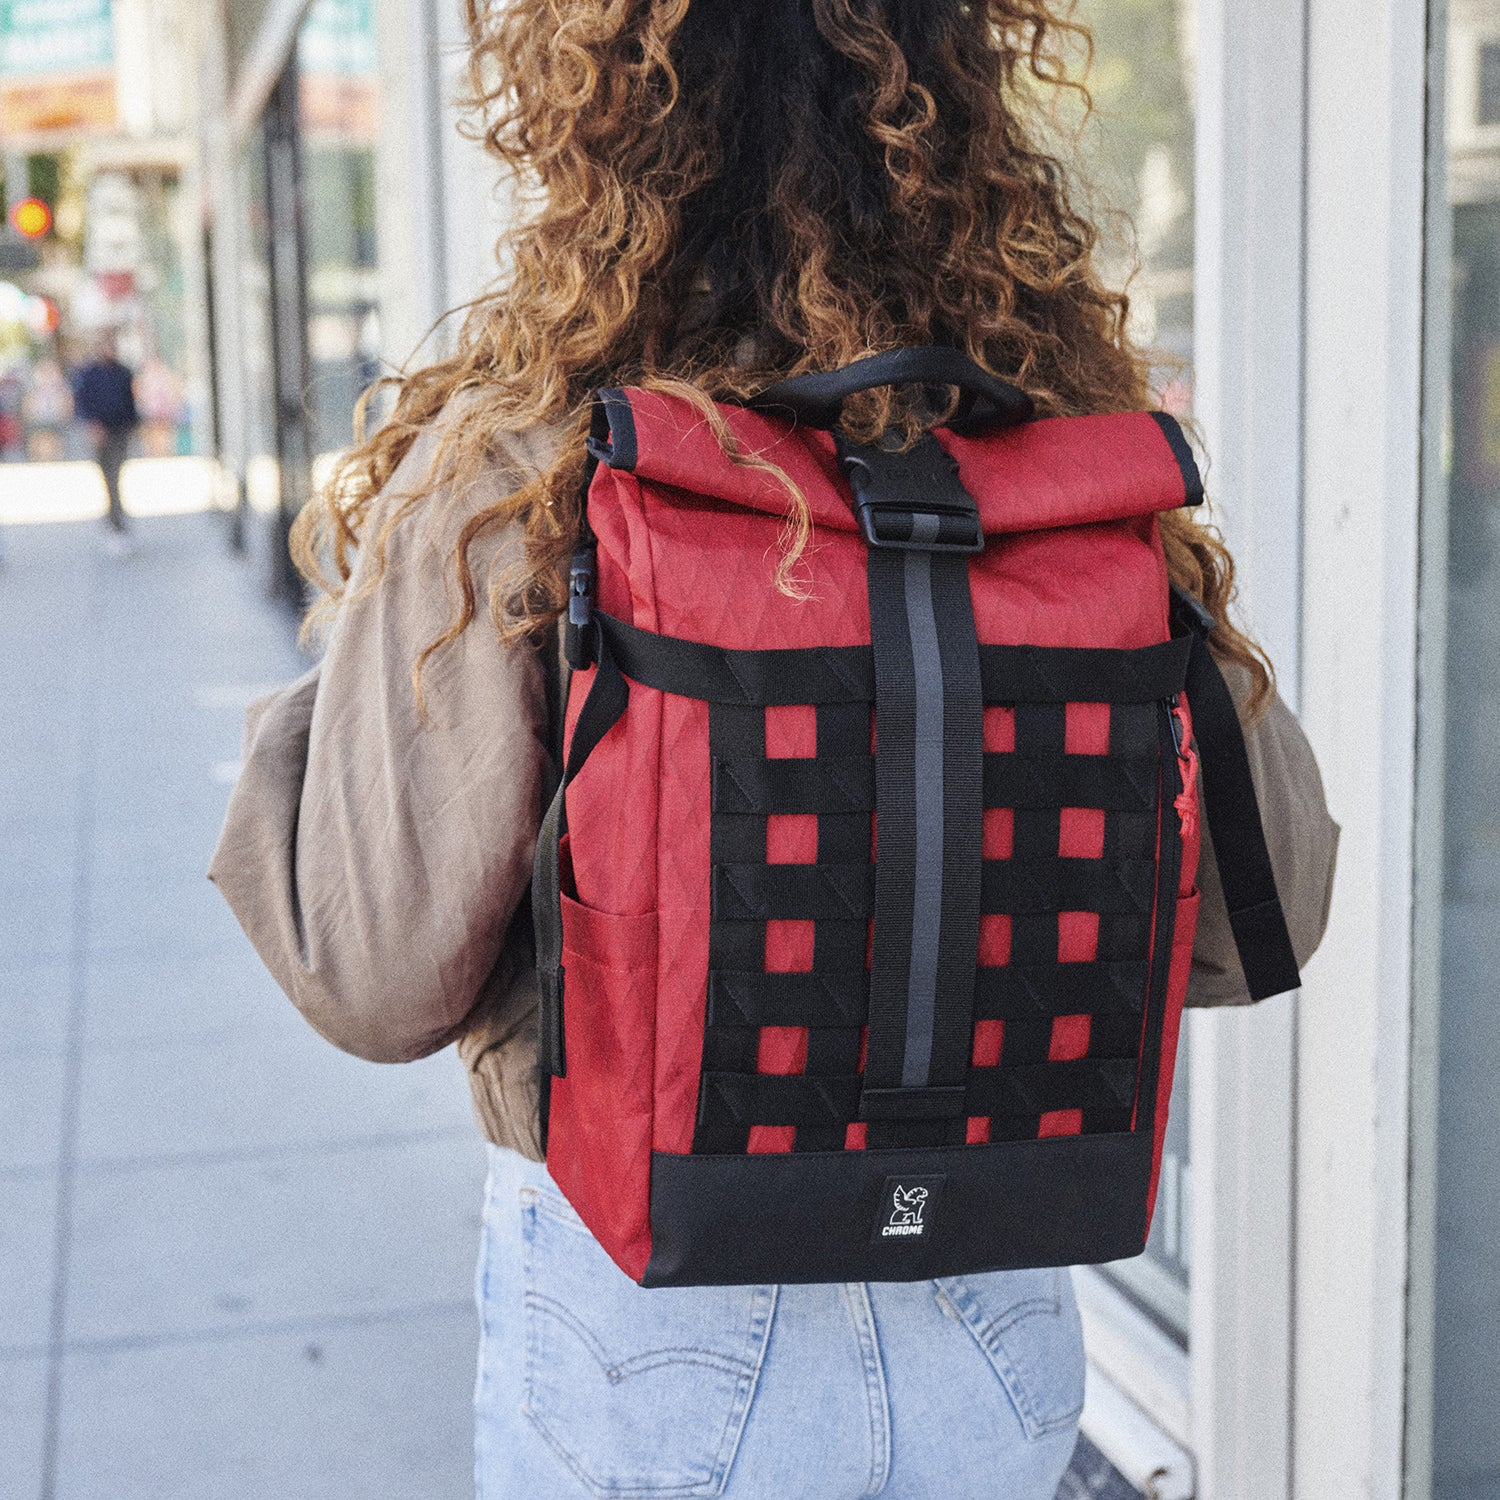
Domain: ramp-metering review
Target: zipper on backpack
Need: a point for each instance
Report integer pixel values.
(1186, 800)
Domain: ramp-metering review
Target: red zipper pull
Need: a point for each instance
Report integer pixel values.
(1186, 801)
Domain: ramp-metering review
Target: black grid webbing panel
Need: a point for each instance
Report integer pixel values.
(1036, 780)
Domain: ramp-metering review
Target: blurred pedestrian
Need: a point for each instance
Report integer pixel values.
(104, 397)
(160, 397)
(12, 394)
(46, 410)
(731, 194)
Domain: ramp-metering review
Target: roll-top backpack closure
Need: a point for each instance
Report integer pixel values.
(1055, 471)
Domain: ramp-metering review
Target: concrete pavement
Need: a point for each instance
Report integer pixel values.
(234, 1263)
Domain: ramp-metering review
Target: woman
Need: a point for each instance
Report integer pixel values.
(719, 194)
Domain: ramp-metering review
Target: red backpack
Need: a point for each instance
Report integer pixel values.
(864, 920)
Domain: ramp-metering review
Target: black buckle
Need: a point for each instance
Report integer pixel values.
(911, 499)
(578, 634)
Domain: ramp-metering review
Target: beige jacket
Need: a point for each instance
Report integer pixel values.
(377, 862)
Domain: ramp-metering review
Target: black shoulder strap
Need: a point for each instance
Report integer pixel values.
(1233, 813)
(608, 697)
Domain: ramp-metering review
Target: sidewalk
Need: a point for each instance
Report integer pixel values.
(234, 1263)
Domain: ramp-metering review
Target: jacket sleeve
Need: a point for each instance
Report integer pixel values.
(1303, 843)
(376, 860)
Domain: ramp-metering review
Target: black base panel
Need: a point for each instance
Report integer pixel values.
(818, 1216)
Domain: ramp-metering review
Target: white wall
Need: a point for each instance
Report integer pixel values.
(1247, 365)
(441, 208)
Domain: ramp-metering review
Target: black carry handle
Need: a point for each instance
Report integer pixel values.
(817, 400)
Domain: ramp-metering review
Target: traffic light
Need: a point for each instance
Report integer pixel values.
(31, 218)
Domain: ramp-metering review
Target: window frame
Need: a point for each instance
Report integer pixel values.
(1228, 1399)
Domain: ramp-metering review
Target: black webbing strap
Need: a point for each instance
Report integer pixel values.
(846, 674)
(1028, 887)
(1018, 992)
(1002, 992)
(1029, 1090)
(751, 998)
(834, 784)
(605, 705)
(1239, 839)
(749, 892)
(929, 801)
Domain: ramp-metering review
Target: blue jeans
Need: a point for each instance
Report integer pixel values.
(967, 1388)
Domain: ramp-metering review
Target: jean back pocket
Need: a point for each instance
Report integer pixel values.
(1027, 1324)
(639, 1392)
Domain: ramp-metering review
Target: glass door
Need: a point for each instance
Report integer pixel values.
(1460, 888)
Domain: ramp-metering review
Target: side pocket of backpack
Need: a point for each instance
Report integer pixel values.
(599, 1136)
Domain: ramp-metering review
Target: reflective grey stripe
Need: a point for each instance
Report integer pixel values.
(927, 901)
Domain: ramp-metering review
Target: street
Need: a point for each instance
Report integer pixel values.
(233, 1261)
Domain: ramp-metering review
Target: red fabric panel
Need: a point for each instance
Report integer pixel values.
(683, 969)
(681, 867)
(1070, 1038)
(1081, 833)
(1087, 586)
(978, 1130)
(989, 1037)
(998, 839)
(791, 731)
(994, 938)
(767, 1140)
(1060, 1122)
(792, 839)
(1000, 729)
(854, 1135)
(1068, 471)
(789, 947)
(781, 1049)
(1077, 937)
(1087, 730)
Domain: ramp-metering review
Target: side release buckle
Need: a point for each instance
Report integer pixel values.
(578, 634)
(911, 499)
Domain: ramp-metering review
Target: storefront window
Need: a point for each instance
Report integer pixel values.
(1137, 157)
(339, 108)
(1467, 237)
(262, 471)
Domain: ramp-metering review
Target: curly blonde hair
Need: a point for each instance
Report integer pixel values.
(713, 195)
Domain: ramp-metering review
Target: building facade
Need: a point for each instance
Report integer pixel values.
(97, 144)
(1315, 190)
